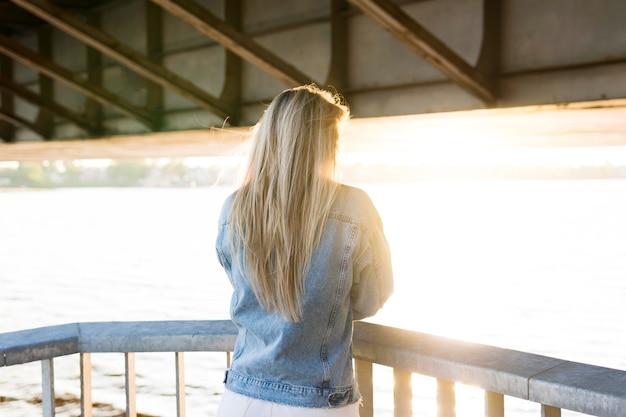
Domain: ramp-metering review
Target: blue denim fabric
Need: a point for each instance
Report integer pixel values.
(309, 363)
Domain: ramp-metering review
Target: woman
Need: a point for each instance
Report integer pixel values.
(306, 256)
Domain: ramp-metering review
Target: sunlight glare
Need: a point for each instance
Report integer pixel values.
(519, 135)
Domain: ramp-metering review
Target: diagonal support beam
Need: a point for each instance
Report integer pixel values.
(233, 40)
(17, 89)
(402, 26)
(18, 121)
(28, 57)
(108, 45)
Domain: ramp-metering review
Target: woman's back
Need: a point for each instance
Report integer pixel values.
(305, 255)
(309, 363)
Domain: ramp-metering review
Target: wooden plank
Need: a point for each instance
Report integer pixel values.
(365, 382)
(110, 46)
(402, 393)
(229, 37)
(27, 57)
(86, 403)
(131, 385)
(494, 404)
(446, 399)
(548, 411)
(402, 26)
(180, 384)
(43, 102)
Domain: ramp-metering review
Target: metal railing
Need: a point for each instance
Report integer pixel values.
(554, 383)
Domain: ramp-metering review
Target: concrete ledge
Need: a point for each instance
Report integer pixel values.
(592, 390)
(569, 385)
(492, 368)
(149, 336)
(158, 336)
(36, 344)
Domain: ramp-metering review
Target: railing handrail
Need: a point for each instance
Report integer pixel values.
(132, 336)
(575, 386)
(555, 382)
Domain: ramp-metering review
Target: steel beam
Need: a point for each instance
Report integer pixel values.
(28, 57)
(235, 41)
(233, 63)
(14, 88)
(18, 121)
(108, 45)
(93, 109)
(488, 62)
(403, 27)
(338, 71)
(45, 118)
(7, 130)
(154, 48)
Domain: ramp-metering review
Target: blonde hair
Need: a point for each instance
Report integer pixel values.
(279, 211)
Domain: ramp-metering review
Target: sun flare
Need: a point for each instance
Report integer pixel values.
(488, 137)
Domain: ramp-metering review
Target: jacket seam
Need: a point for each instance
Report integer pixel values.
(336, 303)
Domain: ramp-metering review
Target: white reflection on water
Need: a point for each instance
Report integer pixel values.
(534, 266)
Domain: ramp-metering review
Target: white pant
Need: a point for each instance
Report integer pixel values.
(237, 405)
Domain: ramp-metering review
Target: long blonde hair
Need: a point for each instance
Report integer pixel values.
(278, 213)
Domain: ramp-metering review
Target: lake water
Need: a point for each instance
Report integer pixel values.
(537, 266)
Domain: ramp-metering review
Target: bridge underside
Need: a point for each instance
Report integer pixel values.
(77, 69)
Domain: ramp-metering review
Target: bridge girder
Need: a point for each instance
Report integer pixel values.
(286, 45)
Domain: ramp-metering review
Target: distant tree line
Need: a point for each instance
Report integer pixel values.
(119, 173)
(176, 173)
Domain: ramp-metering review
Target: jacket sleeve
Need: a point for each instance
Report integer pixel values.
(222, 242)
(372, 282)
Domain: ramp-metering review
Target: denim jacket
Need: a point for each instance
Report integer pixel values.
(309, 363)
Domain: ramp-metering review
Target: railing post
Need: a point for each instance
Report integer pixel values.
(131, 387)
(366, 387)
(494, 404)
(549, 411)
(180, 384)
(47, 388)
(402, 393)
(446, 401)
(85, 385)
